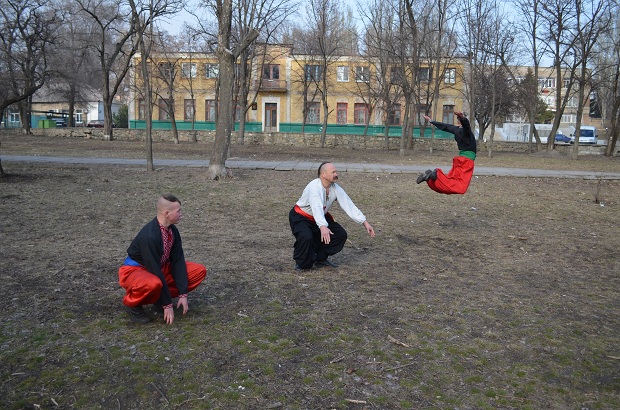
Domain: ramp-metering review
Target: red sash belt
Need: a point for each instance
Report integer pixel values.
(307, 215)
(303, 213)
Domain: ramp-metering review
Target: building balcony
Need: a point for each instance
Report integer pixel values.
(271, 85)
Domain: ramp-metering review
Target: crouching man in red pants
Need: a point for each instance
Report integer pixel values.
(458, 179)
(155, 270)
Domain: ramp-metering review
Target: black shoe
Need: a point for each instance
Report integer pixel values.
(137, 314)
(158, 307)
(425, 176)
(323, 263)
(433, 174)
(298, 268)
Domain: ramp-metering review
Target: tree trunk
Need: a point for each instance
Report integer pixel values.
(107, 109)
(148, 105)
(243, 98)
(173, 123)
(241, 131)
(224, 121)
(403, 133)
(24, 112)
(581, 102)
(2, 174)
(612, 136)
(324, 127)
(410, 128)
(387, 134)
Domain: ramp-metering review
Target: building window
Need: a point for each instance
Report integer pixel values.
(397, 75)
(188, 109)
(394, 115)
(188, 70)
(342, 73)
(418, 118)
(141, 109)
(550, 101)
(362, 74)
(572, 102)
(424, 74)
(166, 70)
(341, 113)
(566, 82)
(212, 70)
(14, 116)
(237, 113)
(569, 119)
(313, 72)
(79, 117)
(448, 114)
(313, 113)
(546, 82)
(210, 110)
(271, 72)
(163, 110)
(360, 113)
(450, 76)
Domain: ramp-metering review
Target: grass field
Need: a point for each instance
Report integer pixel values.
(505, 298)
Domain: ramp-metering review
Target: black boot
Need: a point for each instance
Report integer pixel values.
(137, 314)
(424, 177)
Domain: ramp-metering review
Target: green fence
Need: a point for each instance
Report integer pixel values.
(295, 128)
(187, 125)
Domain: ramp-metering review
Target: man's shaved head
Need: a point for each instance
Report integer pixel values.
(165, 201)
(321, 168)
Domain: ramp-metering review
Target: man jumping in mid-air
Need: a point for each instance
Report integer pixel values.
(458, 179)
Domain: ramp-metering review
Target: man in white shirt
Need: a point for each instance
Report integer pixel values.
(317, 235)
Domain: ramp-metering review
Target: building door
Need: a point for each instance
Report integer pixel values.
(271, 117)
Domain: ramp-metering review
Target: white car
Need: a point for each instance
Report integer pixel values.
(587, 135)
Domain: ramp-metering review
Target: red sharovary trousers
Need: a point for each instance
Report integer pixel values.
(144, 288)
(457, 180)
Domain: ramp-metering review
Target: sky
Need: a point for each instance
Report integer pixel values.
(174, 25)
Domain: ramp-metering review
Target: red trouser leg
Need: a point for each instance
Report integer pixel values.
(457, 180)
(144, 288)
(196, 273)
(141, 286)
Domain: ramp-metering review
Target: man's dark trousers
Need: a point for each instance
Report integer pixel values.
(308, 245)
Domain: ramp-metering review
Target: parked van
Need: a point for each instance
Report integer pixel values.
(587, 135)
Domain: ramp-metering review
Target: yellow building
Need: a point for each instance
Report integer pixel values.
(283, 87)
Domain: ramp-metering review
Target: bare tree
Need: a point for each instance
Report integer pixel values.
(143, 20)
(608, 81)
(75, 72)
(227, 54)
(530, 27)
(165, 65)
(27, 29)
(381, 46)
(408, 54)
(326, 33)
(559, 38)
(501, 49)
(593, 19)
(475, 15)
(440, 50)
(112, 31)
(266, 17)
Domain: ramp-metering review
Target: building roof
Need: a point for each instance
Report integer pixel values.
(57, 93)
